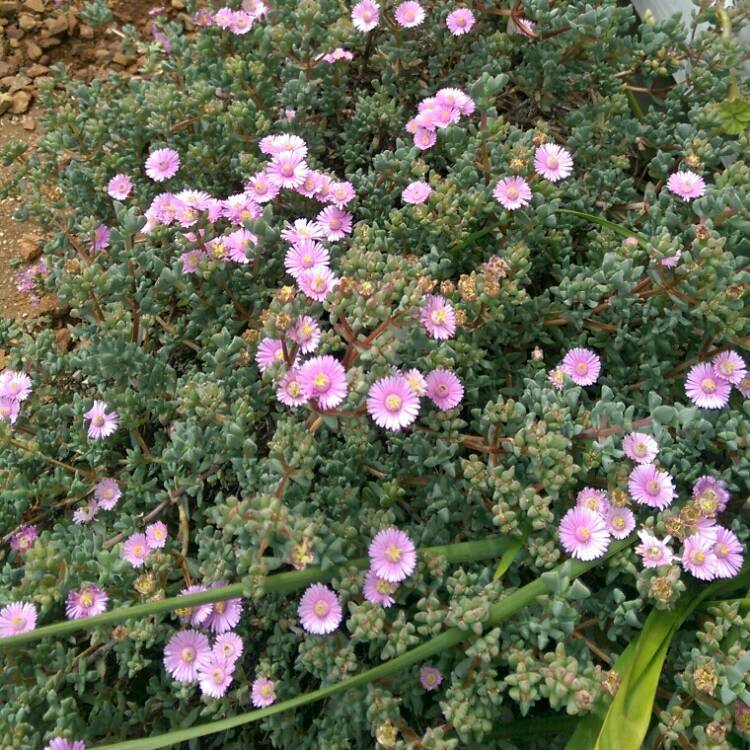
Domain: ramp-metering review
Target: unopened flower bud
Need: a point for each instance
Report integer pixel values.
(537, 354)
(283, 321)
(716, 731)
(145, 584)
(386, 734)
(705, 679)
(365, 288)
(702, 232)
(611, 681)
(285, 294)
(120, 633)
(426, 284)
(661, 589)
(447, 288)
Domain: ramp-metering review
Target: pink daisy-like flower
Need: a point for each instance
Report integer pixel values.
(310, 186)
(238, 243)
(650, 486)
(728, 552)
(393, 556)
(698, 557)
(223, 17)
(335, 223)
(582, 366)
(512, 193)
(185, 652)
(730, 366)
(228, 646)
(302, 231)
(162, 164)
(86, 513)
(305, 256)
(225, 615)
(260, 188)
(241, 23)
(378, 591)
(317, 283)
(107, 493)
(365, 16)
(156, 535)
(17, 617)
(409, 14)
(341, 193)
(391, 403)
(430, 677)
(324, 378)
(256, 8)
(119, 187)
(270, 352)
(707, 529)
(196, 616)
(556, 376)
(460, 21)
(319, 610)
(23, 539)
(306, 334)
(338, 54)
(584, 534)
(640, 447)
(442, 116)
(438, 317)
(416, 382)
(671, 261)
(652, 551)
(424, 138)
(553, 162)
(190, 261)
(286, 143)
(620, 522)
(706, 389)
(60, 743)
(744, 386)
(263, 692)
(135, 549)
(89, 601)
(710, 491)
(287, 170)
(240, 208)
(593, 499)
(100, 240)
(686, 185)
(203, 17)
(523, 26)
(15, 386)
(102, 423)
(416, 193)
(9, 409)
(456, 98)
(291, 391)
(444, 389)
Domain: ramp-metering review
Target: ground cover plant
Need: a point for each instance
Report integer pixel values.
(407, 404)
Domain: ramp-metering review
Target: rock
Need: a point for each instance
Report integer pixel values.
(120, 58)
(27, 22)
(28, 123)
(6, 69)
(6, 100)
(14, 83)
(33, 50)
(46, 43)
(36, 70)
(56, 26)
(62, 339)
(13, 32)
(35, 5)
(29, 246)
(178, 4)
(9, 8)
(20, 102)
(85, 32)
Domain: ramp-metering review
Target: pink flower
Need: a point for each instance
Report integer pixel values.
(620, 522)
(162, 164)
(409, 14)
(203, 17)
(240, 208)
(512, 193)
(654, 552)
(135, 549)
(199, 614)
(156, 535)
(430, 677)
(215, 676)
(184, 653)
(457, 99)
(100, 240)
(365, 15)
(317, 283)
(648, 485)
(302, 231)
(17, 617)
(584, 534)
(593, 499)
(640, 447)
(15, 386)
(582, 366)
(241, 22)
(9, 409)
(671, 261)
(228, 646)
(59, 743)
(270, 352)
(444, 389)
(416, 193)
(460, 21)
(89, 601)
(304, 256)
(23, 539)
(310, 186)
(260, 188)
(686, 185)
(102, 423)
(190, 260)
(256, 8)
(706, 389)
(438, 317)
(341, 193)
(523, 26)
(86, 513)
(556, 376)
(238, 243)
(391, 403)
(698, 557)
(424, 139)
(291, 391)
(393, 556)
(119, 187)
(263, 692)
(416, 382)
(711, 492)
(286, 143)
(744, 386)
(319, 610)
(335, 223)
(225, 614)
(324, 378)
(306, 334)
(553, 162)
(730, 366)
(728, 552)
(107, 493)
(338, 54)
(287, 170)
(378, 591)
(223, 17)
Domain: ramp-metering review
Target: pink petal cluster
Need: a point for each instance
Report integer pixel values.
(23, 539)
(365, 15)
(89, 601)
(582, 366)
(119, 187)
(460, 21)
(640, 447)
(686, 185)
(651, 486)
(437, 112)
(107, 493)
(444, 389)
(162, 164)
(438, 317)
(391, 403)
(263, 692)
(584, 533)
(409, 14)
(319, 610)
(553, 162)
(430, 677)
(378, 591)
(416, 193)
(102, 423)
(393, 556)
(654, 552)
(338, 54)
(512, 193)
(17, 617)
(709, 385)
(60, 743)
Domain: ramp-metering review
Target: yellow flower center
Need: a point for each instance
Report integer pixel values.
(321, 608)
(318, 284)
(727, 368)
(187, 654)
(108, 493)
(394, 553)
(287, 170)
(430, 678)
(87, 599)
(699, 556)
(654, 552)
(438, 316)
(393, 402)
(218, 250)
(652, 487)
(384, 587)
(307, 259)
(306, 329)
(138, 550)
(98, 420)
(294, 389)
(723, 550)
(582, 368)
(266, 691)
(512, 192)
(279, 356)
(619, 523)
(220, 607)
(553, 162)
(583, 534)
(640, 449)
(18, 621)
(708, 385)
(321, 381)
(217, 676)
